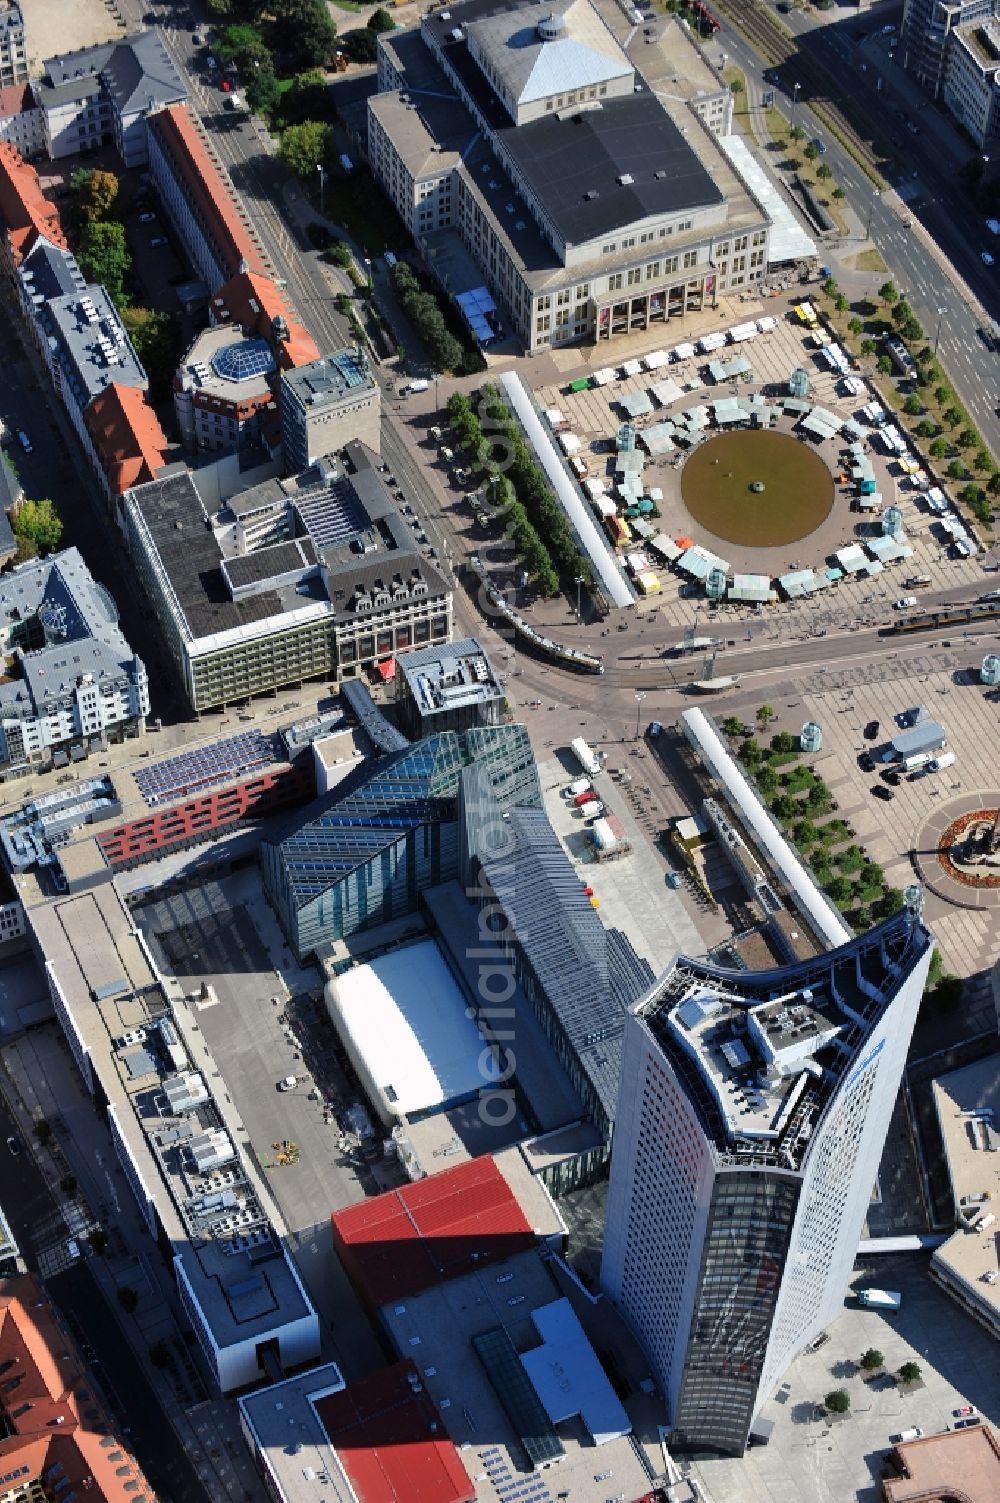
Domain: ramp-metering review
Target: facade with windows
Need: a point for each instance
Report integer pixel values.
(526, 148)
(972, 80)
(21, 121)
(13, 45)
(369, 854)
(104, 93)
(752, 1117)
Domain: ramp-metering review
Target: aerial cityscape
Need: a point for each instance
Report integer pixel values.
(499, 729)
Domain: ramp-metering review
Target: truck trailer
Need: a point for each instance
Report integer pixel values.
(587, 759)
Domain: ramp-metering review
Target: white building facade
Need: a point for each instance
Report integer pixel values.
(752, 1119)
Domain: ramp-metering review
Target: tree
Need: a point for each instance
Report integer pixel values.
(942, 395)
(303, 33)
(262, 89)
(956, 470)
(68, 1184)
(910, 1372)
(948, 993)
(765, 714)
(42, 1131)
(783, 741)
(749, 752)
(767, 779)
(796, 133)
(951, 416)
(838, 1402)
(304, 148)
(967, 438)
(993, 484)
(361, 46)
(938, 448)
(804, 832)
(128, 1299)
(305, 99)
(889, 293)
(240, 44)
(94, 193)
(38, 524)
(732, 725)
(983, 462)
(884, 364)
(154, 338)
(823, 172)
(868, 347)
(913, 405)
(840, 303)
(872, 1359)
(785, 807)
(925, 428)
(104, 257)
(98, 1239)
(812, 151)
(855, 326)
(901, 312)
(159, 1354)
(737, 86)
(380, 21)
(839, 890)
(838, 193)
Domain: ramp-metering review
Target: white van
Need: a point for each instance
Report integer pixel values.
(413, 387)
(579, 785)
(914, 1433)
(938, 764)
(914, 763)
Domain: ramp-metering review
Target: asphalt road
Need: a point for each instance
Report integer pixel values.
(931, 196)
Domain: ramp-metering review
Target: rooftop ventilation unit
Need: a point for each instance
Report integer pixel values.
(626, 180)
(591, 193)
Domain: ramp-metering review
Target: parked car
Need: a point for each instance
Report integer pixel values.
(819, 145)
(288, 1084)
(963, 1410)
(147, 217)
(986, 258)
(905, 604)
(883, 793)
(24, 441)
(871, 730)
(14, 1146)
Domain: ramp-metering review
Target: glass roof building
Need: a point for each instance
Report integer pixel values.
(389, 834)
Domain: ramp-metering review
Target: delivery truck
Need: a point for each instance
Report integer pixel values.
(879, 1299)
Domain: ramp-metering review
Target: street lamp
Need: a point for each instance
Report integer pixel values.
(937, 333)
(795, 99)
(871, 210)
(580, 580)
(322, 189)
(640, 695)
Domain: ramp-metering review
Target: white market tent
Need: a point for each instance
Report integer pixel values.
(568, 442)
(667, 392)
(636, 403)
(852, 559)
(632, 367)
(656, 439)
(656, 360)
(603, 377)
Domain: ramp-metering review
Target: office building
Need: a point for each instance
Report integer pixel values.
(753, 1113)
(389, 833)
(972, 79)
(259, 307)
(104, 93)
(313, 576)
(201, 1197)
(967, 1265)
(198, 199)
(224, 398)
(560, 172)
(72, 676)
(13, 45)
(327, 402)
(58, 1438)
(447, 689)
(22, 123)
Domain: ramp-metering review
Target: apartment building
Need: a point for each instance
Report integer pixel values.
(571, 172)
(13, 45)
(103, 94)
(22, 122)
(325, 404)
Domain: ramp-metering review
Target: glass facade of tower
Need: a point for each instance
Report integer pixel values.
(749, 1226)
(366, 858)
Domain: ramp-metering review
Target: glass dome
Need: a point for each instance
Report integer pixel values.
(240, 362)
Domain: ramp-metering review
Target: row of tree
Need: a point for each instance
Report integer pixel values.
(424, 312)
(536, 523)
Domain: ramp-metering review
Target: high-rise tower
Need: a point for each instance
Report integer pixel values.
(753, 1111)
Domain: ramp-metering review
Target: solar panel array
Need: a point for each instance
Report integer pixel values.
(332, 516)
(239, 362)
(206, 766)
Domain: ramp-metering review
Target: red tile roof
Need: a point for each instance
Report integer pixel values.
(209, 194)
(391, 1442)
(45, 1386)
(15, 99)
(411, 1239)
(127, 435)
(24, 209)
(255, 302)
